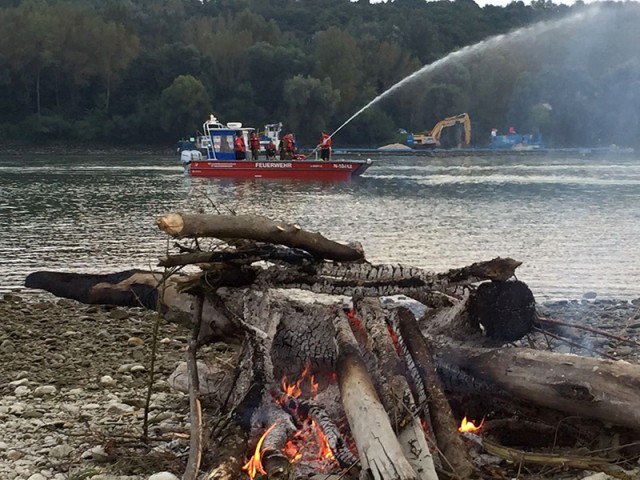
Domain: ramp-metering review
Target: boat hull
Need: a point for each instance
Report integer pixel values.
(302, 170)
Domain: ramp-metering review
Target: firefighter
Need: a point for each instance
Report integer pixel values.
(325, 146)
(239, 147)
(289, 146)
(271, 150)
(254, 143)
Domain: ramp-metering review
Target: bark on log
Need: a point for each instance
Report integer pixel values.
(130, 288)
(378, 448)
(256, 228)
(604, 390)
(449, 441)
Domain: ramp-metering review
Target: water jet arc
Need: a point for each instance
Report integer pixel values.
(538, 28)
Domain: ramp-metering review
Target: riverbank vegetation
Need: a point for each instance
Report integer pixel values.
(123, 72)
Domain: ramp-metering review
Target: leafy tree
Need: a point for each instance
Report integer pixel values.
(339, 59)
(277, 64)
(310, 102)
(30, 34)
(183, 106)
(119, 48)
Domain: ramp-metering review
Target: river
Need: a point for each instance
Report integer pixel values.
(573, 221)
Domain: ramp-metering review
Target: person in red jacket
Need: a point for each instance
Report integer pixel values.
(325, 146)
(239, 147)
(289, 146)
(254, 143)
(271, 150)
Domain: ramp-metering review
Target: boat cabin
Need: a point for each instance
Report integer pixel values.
(219, 140)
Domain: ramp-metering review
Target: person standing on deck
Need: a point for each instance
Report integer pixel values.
(271, 150)
(254, 143)
(289, 146)
(283, 149)
(239, 147)
(325, 146)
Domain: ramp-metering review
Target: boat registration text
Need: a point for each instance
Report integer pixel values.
(273, 165)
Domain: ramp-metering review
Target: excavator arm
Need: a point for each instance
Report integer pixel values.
(463, 118)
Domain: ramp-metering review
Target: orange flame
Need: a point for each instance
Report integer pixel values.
(254, 465)
(295, 389)
(292, 452)
(325, 448)
(466, 426)
(291, 389)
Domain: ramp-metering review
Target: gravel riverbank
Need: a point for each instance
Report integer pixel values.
(74, 380)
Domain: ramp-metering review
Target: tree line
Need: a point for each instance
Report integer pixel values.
(151, 71)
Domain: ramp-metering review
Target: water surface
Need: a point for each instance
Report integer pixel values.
(573, 221)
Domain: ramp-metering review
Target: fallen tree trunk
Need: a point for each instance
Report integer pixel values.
(256, 228)
(604, 390)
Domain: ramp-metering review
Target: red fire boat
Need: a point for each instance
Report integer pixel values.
(213, 155)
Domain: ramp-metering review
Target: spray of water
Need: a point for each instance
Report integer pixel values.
(537, 29)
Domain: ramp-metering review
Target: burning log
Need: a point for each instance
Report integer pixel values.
(258, 409)
(378, 448)
(395, 392)
(444, 425)
(330, 430)
(604, 390)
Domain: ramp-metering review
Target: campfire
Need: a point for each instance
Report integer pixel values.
(345, 383)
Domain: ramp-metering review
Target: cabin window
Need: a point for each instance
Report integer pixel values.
(223, 143)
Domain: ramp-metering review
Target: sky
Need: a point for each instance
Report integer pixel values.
(502, 3)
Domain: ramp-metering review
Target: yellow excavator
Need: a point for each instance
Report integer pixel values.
(432, 138)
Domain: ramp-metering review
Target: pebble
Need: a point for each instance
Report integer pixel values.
(37, 476)
(96, 454)
(7, 346)
(19, 383)
(163, 476)
(135, 342)
(44, 390)
(22, 391)
(60, 451)
(107, 381)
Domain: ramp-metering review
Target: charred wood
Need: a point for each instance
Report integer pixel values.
(339, 448)
(267, 252)
(444, 424)
(395, 393)
(378, 448)
(599, 389)
(506, 310)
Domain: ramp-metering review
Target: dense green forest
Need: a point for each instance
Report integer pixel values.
(150, 71)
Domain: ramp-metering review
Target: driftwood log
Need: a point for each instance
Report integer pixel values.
(394, 372)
